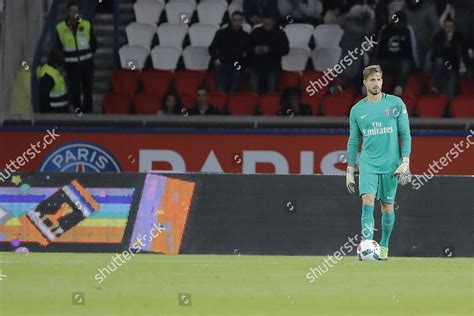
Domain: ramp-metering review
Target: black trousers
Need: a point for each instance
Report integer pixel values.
(80, 78)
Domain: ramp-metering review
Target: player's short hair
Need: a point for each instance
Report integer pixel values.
(370, 70)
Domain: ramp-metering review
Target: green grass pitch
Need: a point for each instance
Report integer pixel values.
(42, 284)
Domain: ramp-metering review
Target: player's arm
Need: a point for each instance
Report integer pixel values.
(403, 124)
(352, 148)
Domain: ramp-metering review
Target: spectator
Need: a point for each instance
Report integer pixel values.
(255, 9)
(171, 104)
(424, 21)
(333, 14)
(269, 45)
(449, 48)
(396, 50)
(78, 42)
(202, 106)
(290, 104)
(358, 24)
(300, 11)
(53, 96)
(229, 51)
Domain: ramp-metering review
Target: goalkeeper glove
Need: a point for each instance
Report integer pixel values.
(350, 182)
(403, 171)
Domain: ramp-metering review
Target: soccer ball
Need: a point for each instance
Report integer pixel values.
(368, 250)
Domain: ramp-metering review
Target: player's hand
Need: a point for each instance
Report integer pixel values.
(403, 171)
(350, 182)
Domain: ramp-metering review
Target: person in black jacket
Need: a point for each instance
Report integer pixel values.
(229, 50)
(448, 49)
(202, 106)
(396, 50)
(269, 45)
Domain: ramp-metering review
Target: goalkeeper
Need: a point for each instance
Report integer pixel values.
(379, 118)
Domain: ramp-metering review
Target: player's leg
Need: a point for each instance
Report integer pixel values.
(368, 183)
(388, 189)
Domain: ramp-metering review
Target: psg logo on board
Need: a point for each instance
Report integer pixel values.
(80, 157)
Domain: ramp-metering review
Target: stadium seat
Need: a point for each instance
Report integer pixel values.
(463, 106)
(211, 12)
(156, 82)
(125, 81)
(193, 2)
(325, 57)
(269, 104)
(243, 103)
(140, 34)
(187, 100)
(296, 59)
(299, 34)
(147, 104)
(210, 81)
(165, 58)
(172, 35)
(155, 1)
(133, 57)
(314, 102)
(188, 81)
(196, 58)
(431, 105)
(148, 12)
(327, 35)
(117, 103)
(179, 12)
(202, 34)
(218, 99)
(215, 1)
(289, 79)
(410, 101)
(235, 6)
(466, 85)
(414, 84)
(336, 104)
(319, 84)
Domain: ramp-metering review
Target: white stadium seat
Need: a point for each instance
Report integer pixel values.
(193, 2)
(133, 57)
(179, 12)
(165, 58)
(296, 59)
(172, 34)
(155, 1)
(140, 34)
(299, 34)
(325, 57)
(196, 58)
(215, 1)
(202, 34)
(211, 12)
(147, 12)
(327, 35)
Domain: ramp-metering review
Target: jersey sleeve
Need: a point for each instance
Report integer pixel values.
(403, 125)
(354, 139)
